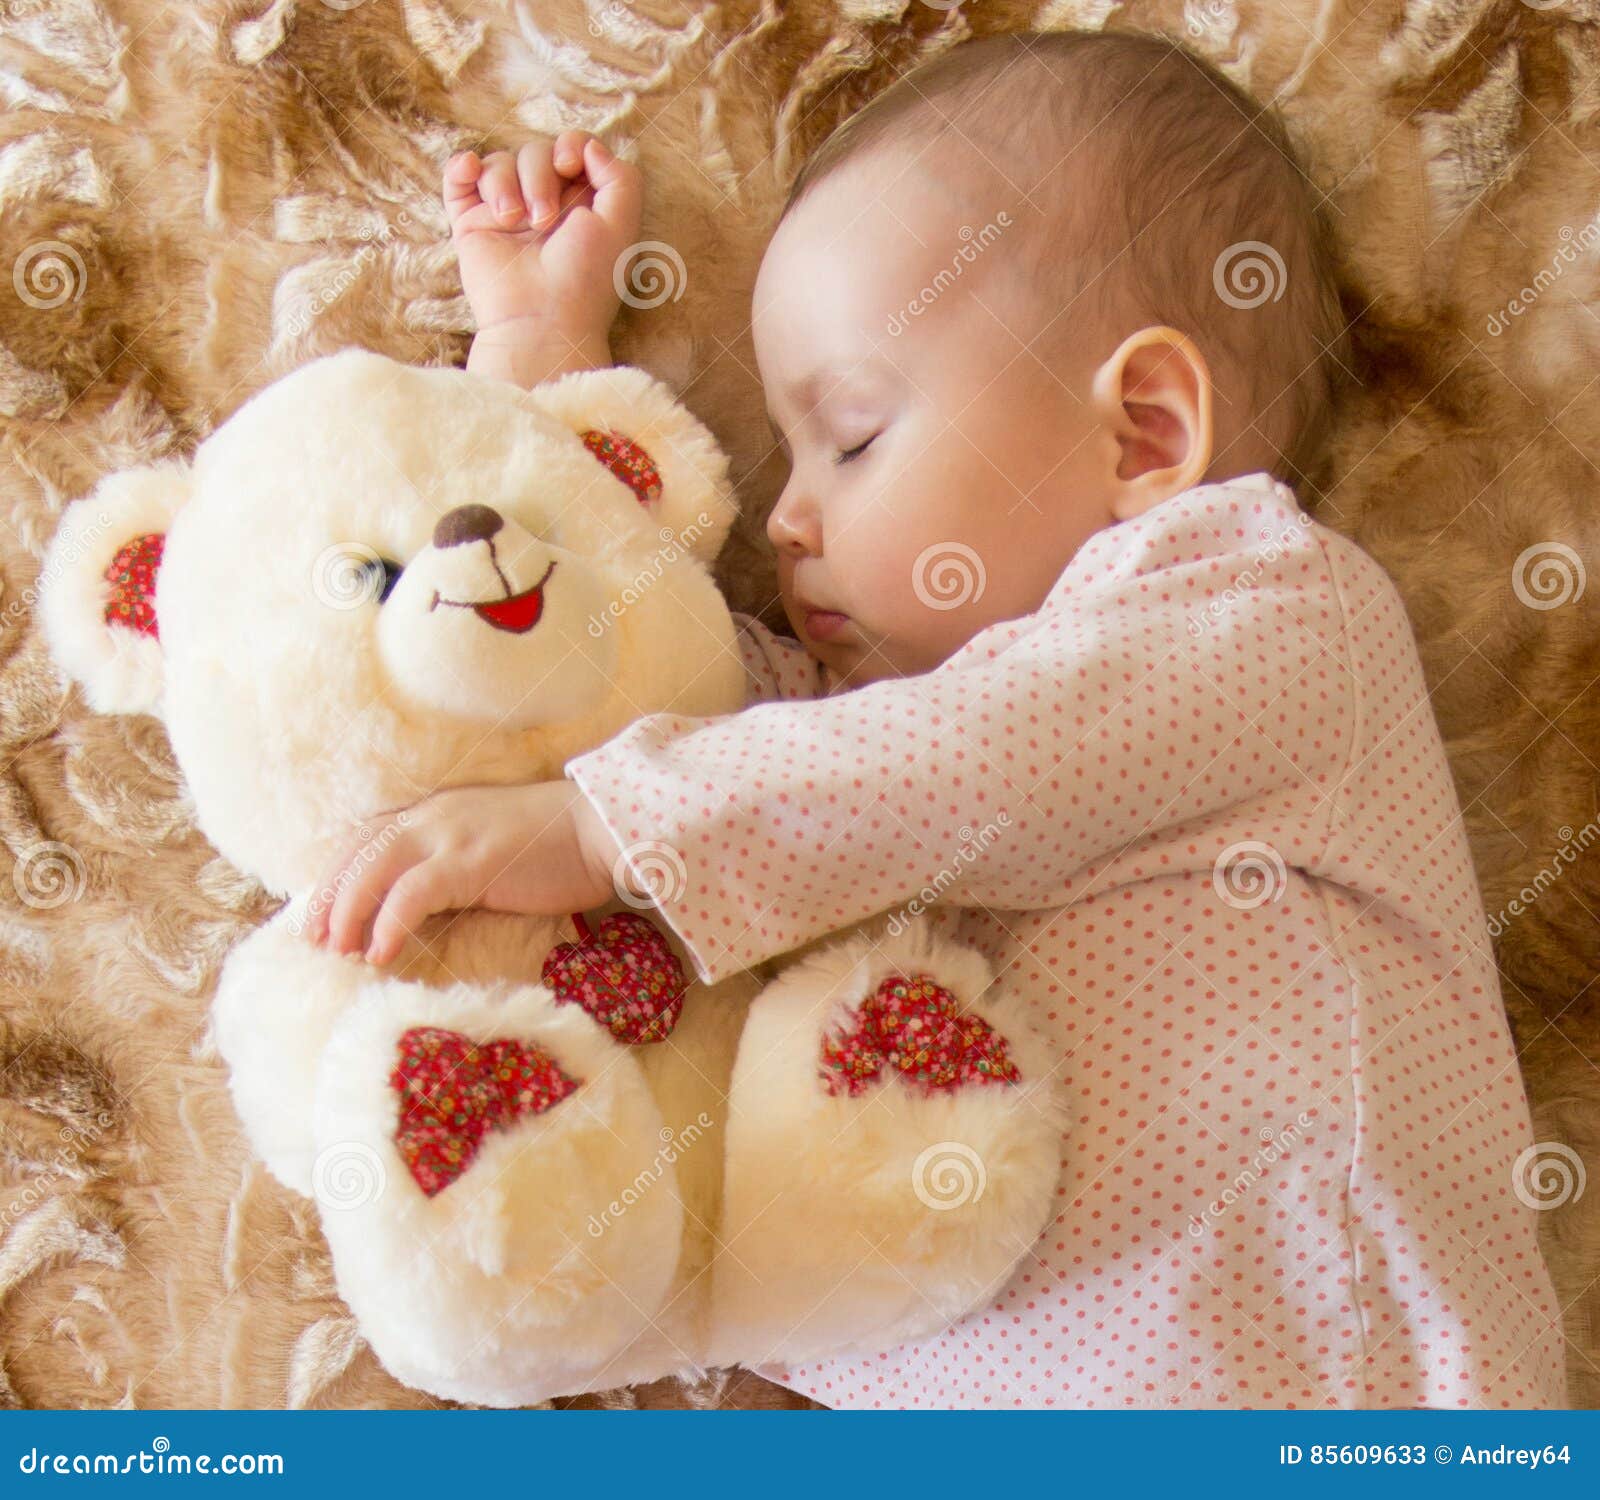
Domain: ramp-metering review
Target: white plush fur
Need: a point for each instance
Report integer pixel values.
(276, 1003)
(680, 1208)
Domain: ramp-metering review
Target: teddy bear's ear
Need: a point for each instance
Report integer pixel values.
(97, 586)
(642, 433)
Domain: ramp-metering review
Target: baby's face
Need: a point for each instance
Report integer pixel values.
(941, 478)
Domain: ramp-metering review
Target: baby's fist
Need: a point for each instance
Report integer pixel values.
(538, 233)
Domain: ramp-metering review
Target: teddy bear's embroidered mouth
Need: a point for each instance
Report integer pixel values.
(516, 612)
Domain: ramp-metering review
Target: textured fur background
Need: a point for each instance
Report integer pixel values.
(197, 196)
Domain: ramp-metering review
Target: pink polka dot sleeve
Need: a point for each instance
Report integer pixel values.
(1164, 682)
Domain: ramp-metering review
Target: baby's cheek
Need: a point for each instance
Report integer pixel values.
(934, 601)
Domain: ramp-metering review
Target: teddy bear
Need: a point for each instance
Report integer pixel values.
(546, 1159)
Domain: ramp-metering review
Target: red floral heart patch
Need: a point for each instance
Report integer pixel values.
(454, 1091)
(913, 1027)
(624, 974)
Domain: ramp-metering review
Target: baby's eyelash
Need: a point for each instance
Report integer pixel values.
(850, 454)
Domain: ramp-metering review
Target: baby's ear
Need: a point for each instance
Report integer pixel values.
(97, 586)
(646, 437)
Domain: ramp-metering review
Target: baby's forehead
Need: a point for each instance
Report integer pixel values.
(893, 238)
(887, 215)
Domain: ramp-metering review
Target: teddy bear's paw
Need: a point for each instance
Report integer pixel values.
(502, 1217)
(894, 1148)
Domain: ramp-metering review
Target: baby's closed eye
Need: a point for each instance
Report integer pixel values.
(848, 455)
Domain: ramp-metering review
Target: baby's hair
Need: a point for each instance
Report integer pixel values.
(1200, 216)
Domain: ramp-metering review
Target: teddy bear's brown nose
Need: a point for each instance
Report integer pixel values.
(466, 523)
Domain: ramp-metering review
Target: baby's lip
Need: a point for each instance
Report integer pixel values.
(516, 612)
(807, 607)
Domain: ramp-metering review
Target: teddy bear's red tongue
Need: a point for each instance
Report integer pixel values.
(520, 612)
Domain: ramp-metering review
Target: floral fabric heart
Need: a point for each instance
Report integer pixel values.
(454, 1091)
(912, 1025)
(624, 974)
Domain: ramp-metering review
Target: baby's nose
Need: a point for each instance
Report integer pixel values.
(792, 527)
(467, 523)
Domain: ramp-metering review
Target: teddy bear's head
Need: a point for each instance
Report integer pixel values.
(375, 581)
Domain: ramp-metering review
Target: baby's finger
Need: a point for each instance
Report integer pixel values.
(541, 183)
(415, 896)
(461, 170)
(319, 908)
(360, 896)
(499, 186)
(315, 926)
(569, 151)
(618, 189)
(461, 175)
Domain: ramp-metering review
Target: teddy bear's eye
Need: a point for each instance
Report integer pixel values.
(391, 575)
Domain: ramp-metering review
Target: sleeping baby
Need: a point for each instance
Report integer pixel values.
(1047, 333)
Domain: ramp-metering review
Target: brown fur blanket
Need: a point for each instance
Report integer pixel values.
(198, 195)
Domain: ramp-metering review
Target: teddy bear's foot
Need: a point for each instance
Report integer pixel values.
(502, 1217)
(894, 1145)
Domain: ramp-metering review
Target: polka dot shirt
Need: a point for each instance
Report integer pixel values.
(1196, 812)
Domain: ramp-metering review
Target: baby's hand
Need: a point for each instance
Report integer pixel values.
(537, 849)
(539, 233)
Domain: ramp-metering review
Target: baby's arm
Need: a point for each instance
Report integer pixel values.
(538, 236)
(1043, 746)
(517, 848)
